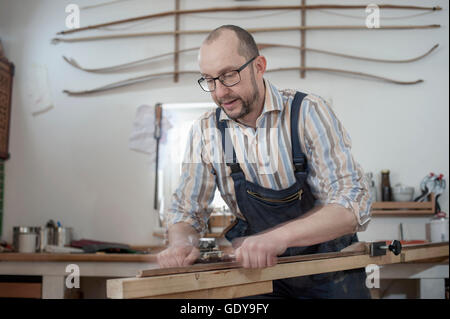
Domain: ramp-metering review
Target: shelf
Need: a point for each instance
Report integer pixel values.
(405, 208)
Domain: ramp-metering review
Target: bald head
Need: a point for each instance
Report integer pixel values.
(245, 44)
(230, 52)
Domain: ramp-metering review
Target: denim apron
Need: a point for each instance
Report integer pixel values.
(265, 208)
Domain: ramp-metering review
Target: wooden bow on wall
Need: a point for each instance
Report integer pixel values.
(302, 48)
(148, 77)
(245, 8)
(251, 30)
(262, 46)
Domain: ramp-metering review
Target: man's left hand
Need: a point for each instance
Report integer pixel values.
(259, 251)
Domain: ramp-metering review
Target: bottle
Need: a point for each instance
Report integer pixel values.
(437, 229)
(372, 188)
(386, 192)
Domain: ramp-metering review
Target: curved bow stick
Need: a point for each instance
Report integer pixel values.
(149, 77)
(127, 82)
(245, 8)
(118, 67)
(102, 4)
(261, 46)
(348, 56)
(254, 30)
(362, 74)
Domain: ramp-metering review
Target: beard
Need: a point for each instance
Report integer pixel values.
(247, 105)
(245, 108)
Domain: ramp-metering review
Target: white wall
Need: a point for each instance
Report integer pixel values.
(73, 163)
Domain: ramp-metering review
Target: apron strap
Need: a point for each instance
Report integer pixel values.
(298, 157)
(230, 159)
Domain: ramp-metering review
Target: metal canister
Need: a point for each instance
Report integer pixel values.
(45, 239)
(63, 236)
(17, 230)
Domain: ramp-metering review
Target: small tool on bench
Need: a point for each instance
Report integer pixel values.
(380, 248)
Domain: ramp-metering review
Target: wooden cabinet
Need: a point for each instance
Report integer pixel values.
(20, 287)
(6, 77)
(20, 290)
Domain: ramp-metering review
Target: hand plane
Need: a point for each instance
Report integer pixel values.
(210, 252)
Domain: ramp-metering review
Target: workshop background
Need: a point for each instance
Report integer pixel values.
(70, 157)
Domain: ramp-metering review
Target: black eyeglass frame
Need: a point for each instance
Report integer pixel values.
(221, 81)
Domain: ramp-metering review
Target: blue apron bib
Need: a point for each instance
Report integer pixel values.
(265, 208)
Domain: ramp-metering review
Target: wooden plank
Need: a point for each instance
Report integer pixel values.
(358, 248)
(20, 290)
(158, 285)
(230, 292)
(231, 265)
(188, 281)
(426, 253)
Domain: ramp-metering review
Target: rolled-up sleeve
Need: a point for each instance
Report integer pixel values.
(335, 177)
(195, 191)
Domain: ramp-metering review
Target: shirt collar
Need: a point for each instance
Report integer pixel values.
(272, 101)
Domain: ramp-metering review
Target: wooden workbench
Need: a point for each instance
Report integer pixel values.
(228, 280)
(52, 268)
(76, 257)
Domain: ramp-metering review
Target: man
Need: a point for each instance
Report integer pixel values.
(307, 196)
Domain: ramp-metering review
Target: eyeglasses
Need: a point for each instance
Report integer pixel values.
(228, 79)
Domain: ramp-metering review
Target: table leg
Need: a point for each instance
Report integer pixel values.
(433, 288)
(53, 287)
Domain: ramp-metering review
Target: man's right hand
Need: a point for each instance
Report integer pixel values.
(178, 255)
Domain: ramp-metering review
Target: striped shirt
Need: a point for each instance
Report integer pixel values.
(265, 156)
